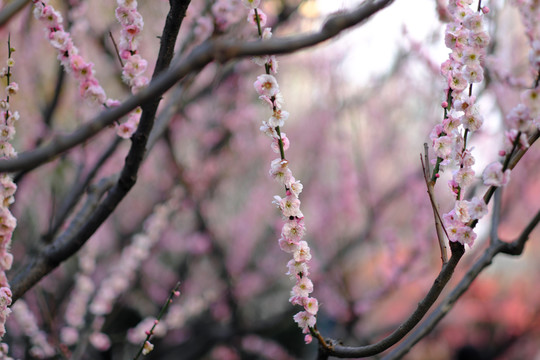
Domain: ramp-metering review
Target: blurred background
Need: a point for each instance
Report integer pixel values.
(361, 107)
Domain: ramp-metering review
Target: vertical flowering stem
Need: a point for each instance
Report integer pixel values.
(147, 346)
(7, 189)
(466, 38)
(293, 229)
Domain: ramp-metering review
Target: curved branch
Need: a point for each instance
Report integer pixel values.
(514, 248)
(423, 306)
(223, 50)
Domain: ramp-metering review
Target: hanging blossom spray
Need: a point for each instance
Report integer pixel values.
(294, 229)
(8, 222)
(466, 38)
(133, 65)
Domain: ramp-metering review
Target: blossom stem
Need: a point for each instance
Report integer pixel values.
(174, 292)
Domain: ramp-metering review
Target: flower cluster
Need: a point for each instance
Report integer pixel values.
(8, 118)
(41, 349)
(115, 283)
(134, 65)
(68, 54)
(524, 118)
(293, 229)
(467, 40)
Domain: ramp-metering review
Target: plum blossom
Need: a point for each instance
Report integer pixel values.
(266, 85)
(494, 176)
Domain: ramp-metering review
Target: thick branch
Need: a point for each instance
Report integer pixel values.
(223, 50)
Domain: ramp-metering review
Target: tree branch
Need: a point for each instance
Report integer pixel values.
(221, 50)
(514, 248)
(423, 306)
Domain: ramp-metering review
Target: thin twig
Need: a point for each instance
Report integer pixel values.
(439, 227)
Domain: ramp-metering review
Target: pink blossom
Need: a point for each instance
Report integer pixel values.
(477, 208)
(252, 18)
(304, 319)
(457, 81)
(12, 88)
(266, 85)
(303, 287)
(275, 143)
(278, 118)
(463, 176)
(472, 120)
(443, 146)
(519, 118)
(288, 245)
(465, 235)
(494, 176)
(461, 208)
(297, 268)
(293, 230)
(280, 171)
(302, 254)
(295, 186)
(311, 305)
(473, 73)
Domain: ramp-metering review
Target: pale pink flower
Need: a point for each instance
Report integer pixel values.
(303, 287)
(443, 146)
(296, 187)
(463, 176)
(268, 130)
(252, 18)
(477, 208)
(473, 73)
(465, 235)
(494, 176)
(275, 143)
(304, 319)
(461, 209)
(457, 81)
(519, 118)
(302, 254)
(473, 22)
(294, 230)
(472, 120)
(287, 245)
(311, 305)
(280, 171)
(61, 40)
(479, 39)
(297, 269)
(278, 118)
(266, 85)
(12, 88)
